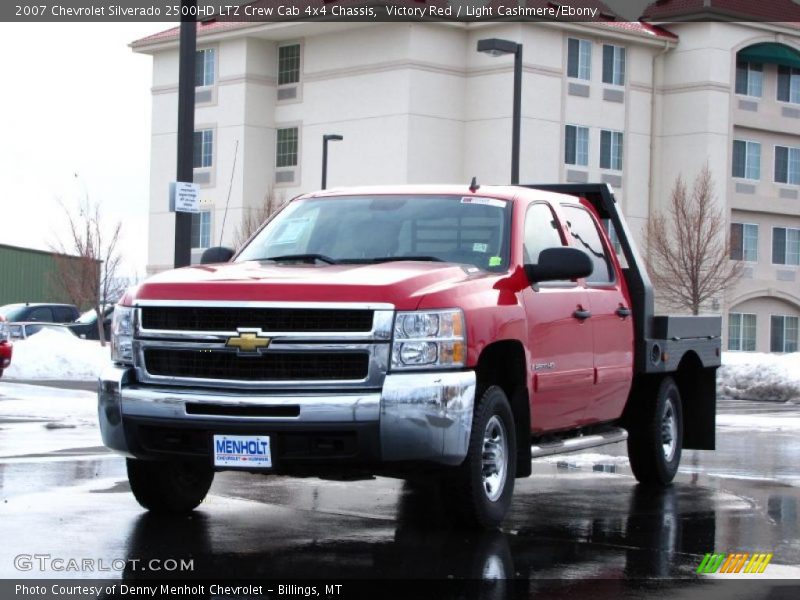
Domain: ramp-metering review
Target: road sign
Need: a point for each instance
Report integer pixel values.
(184, 197)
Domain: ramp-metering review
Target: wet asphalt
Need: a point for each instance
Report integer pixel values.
(580, 525)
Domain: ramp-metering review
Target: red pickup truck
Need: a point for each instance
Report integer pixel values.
(448, 332)
(6, 348)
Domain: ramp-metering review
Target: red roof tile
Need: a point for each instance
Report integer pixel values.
(769, 10)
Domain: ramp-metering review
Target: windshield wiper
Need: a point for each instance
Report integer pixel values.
(382, 259)
(303, 257)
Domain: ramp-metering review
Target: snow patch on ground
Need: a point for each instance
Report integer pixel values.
(759, 376)
(55, 355)
(775, 423)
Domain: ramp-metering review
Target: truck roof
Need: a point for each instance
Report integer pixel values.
(505, 192)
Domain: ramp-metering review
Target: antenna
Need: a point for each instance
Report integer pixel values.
(473, 186)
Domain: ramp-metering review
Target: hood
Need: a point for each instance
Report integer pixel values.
(402, 284)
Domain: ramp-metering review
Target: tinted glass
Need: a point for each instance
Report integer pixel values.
(541, 231)
(587, 238)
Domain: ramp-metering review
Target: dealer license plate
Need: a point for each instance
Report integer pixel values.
(243, 451)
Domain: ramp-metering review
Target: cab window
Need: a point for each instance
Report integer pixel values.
(541, 231)
(586, 237)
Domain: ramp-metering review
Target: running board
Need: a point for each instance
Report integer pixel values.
(611, 436)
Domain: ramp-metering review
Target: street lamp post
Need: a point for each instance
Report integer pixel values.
(186, 83)
(498, 47)
(328, 137)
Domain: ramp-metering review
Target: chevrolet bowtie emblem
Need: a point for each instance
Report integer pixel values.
(248, 341)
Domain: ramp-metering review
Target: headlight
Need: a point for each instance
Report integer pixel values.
(122, 335)
(433, 339)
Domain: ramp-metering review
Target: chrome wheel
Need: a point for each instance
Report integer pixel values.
(669, 430)
(494, 458)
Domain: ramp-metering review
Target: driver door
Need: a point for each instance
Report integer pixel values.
(561, 368)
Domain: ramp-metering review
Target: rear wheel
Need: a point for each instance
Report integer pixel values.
(169, 487)
(655, 439)
(482, 487)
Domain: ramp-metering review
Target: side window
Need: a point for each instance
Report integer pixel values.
(541, 231)
(41, 313)
(64, 314)
(587, 238)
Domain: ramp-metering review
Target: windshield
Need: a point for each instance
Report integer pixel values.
(90, 316)
(363, 229)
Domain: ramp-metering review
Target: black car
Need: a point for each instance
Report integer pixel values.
(86, 325)
(41, 312)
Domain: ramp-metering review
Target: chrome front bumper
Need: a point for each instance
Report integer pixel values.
(420, 416)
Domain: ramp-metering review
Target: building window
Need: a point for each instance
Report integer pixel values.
(783, 333)
(789, 84)
(742, 332)
(576, 147)
(749, 78)
(611, 150)
(613, 64)
(286, 151)
(785, 246)
(203, 148)
(288, 64)
(744, 242)
(787, 165)
(201, 229)
(204, 67)
(579, 59)
(747, 159)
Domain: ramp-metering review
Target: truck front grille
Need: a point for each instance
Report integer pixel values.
(270, 366)
(289, 320)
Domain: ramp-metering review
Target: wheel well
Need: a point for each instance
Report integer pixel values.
(697, 385)
(503, 364)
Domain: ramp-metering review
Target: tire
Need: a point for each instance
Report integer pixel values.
(655, 439)
(169, 487)
(481, 488)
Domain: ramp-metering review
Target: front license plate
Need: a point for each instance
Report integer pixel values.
(243, 451)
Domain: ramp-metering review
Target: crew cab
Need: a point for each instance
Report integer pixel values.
(448, 332)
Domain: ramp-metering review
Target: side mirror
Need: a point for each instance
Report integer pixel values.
(560, 263)
(216, 254)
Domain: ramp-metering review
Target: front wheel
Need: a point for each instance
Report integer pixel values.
(169, 487)
(483, 485)
(655, 438)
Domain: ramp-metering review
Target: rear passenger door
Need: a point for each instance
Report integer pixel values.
(610, 320)
(559, 339)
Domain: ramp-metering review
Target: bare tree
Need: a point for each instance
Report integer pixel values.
(689, 247)
(90, 276)
(253, 218)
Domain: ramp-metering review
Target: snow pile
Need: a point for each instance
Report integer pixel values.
(759, 376)
(56, 355)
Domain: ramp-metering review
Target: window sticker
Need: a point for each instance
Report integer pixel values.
(480, 247)
(484, 201)
(495, 261)
(292, 230)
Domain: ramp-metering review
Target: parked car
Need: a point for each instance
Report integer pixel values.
(6, 347)
(41, 312)
(86, 325)
(22, 331)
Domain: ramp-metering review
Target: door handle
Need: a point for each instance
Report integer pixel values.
(582, 314)
(623, 311)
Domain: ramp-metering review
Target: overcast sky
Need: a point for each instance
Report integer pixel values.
(76, 101)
